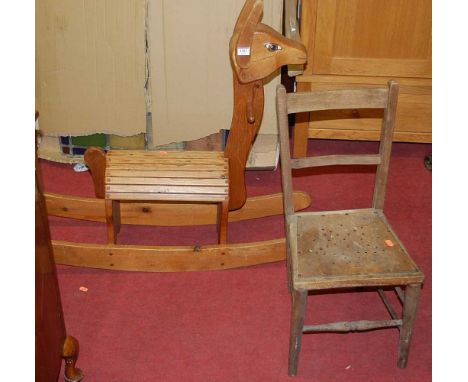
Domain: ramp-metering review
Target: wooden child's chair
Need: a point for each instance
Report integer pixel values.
(345, 249)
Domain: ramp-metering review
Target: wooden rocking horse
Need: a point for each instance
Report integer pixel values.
(256, 51)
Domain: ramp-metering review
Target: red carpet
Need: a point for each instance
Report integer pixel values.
(234, 325)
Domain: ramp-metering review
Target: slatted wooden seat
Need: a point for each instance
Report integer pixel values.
(330, 250)
(166, 176)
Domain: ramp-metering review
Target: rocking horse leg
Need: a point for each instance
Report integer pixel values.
(116, 214)
(95, 159)
(70, 354)
(223, 212)
(113, 226)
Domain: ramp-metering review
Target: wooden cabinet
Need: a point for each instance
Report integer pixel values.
(365, 43)
(50, 326)
(51, 341)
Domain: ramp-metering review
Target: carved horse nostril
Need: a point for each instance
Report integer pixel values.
(272, 47)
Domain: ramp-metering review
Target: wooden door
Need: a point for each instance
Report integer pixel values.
(373, 38)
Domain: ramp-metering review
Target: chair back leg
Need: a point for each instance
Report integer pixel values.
(298, 310)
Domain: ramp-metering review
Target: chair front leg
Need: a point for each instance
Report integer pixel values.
(410, 306)
(222, 219)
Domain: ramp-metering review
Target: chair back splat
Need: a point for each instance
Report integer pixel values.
(338, 99)
(331, 250)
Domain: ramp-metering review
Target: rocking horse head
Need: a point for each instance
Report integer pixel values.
(256, 49)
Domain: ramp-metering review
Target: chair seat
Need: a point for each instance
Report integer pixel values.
(348, 249)
(184, 176)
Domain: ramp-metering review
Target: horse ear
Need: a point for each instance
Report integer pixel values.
(246, 24)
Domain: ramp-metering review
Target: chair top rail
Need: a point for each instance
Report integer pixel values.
(337, 99)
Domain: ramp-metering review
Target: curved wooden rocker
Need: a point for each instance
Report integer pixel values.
(256, 51)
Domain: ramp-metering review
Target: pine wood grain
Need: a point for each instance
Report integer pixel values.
(249, 72)
(168, 214)
(138, 180)
(363, 43)
(168, 259)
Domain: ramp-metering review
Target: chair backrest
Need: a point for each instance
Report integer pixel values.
(369, 98)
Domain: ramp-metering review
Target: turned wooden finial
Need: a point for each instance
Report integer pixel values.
(70, 354)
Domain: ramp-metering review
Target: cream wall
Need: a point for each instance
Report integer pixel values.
(90, 66)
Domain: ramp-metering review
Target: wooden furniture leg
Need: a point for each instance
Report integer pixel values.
(410, 306)
(70, 354)
(110, 220)
(289, 267)
(298, 310)
(116, 216)
(223, 213)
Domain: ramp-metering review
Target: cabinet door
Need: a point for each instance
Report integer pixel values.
(371, 37)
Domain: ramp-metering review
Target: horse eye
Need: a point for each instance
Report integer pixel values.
(272, 47)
